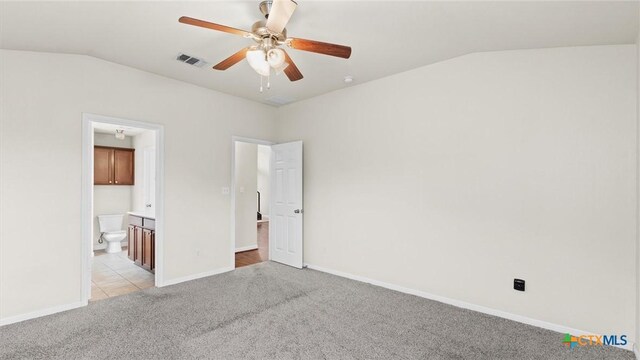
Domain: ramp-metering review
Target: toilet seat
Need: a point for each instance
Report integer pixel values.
(114, 236)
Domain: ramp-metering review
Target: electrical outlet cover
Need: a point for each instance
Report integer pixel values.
(518, 284)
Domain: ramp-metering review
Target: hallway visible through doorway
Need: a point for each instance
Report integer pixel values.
(251, 201)
(260, 254)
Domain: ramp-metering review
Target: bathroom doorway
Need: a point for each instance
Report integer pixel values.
(121, 207)
(250, 198)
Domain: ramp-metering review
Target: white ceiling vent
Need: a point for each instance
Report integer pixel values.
(279, 100)
(188, 59)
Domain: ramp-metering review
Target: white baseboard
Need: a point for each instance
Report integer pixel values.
(246, 248)
(39, 313)
(194, 276)
(465, 305)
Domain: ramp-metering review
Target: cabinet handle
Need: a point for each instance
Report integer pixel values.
(109, 181)
(116, 181)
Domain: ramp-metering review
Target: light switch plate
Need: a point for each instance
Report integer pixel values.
(225, 191)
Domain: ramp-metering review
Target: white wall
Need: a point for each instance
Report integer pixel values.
(638, 191)
(109, 199)
(141, 142)
(264, 159)
(458, 177)
(246, 176)
(110, 140)
(40, 153)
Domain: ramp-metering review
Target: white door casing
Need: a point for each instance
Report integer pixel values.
(285, 220)
(150, 179)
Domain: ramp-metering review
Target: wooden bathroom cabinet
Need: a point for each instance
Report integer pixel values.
(113, 166)
(142, 242)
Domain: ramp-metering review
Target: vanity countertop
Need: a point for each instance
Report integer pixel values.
(144, 214)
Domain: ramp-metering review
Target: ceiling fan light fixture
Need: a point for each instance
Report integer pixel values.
(257, 60)
(276, 58)
(270, 34)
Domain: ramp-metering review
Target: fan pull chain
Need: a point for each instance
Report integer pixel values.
(269, 81)
(261, 83)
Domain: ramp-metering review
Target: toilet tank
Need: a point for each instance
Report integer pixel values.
(110, 223)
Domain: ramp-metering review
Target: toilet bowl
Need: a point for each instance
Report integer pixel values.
(111, 230)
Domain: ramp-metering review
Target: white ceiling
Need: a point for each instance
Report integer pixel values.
(387, 37)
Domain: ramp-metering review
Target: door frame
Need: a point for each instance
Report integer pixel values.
(234, 140)
(88, 120)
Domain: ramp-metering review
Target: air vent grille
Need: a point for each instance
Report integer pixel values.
(191, 60)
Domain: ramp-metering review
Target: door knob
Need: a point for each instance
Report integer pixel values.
(298, 211)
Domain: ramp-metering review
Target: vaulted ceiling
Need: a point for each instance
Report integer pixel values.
(387, 37)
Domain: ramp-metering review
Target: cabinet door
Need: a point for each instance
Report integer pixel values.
(147, 248)
(153, 250)
(138, 248)
(102, 166)
(131, 234)
(123, 167)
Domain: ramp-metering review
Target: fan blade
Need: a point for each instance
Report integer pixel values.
(232, 60)
(280, 13)
(320, 47)
(213, 26)
(292, 71)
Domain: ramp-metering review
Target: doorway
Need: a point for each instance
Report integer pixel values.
(122, 206)
(280, 202)
(251, 189)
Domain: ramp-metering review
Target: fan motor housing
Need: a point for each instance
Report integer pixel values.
(265, 7)
(260, 30)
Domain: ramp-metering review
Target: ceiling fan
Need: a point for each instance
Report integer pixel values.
(269, 35)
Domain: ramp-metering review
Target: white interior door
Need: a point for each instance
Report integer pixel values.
(285, 220)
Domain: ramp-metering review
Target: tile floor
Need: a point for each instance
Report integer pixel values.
(115, 274)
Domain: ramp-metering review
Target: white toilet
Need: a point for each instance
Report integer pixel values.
(112, 233)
